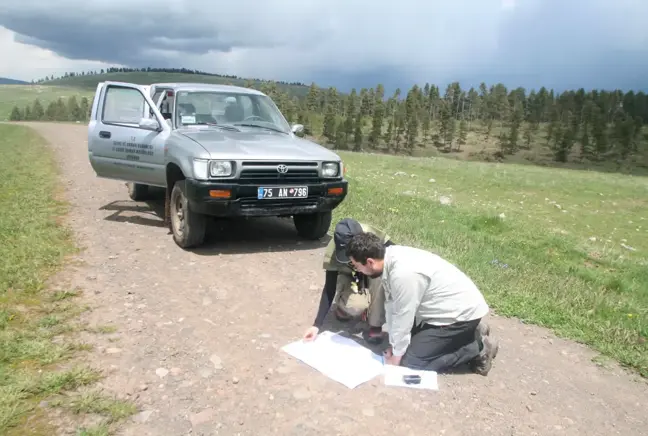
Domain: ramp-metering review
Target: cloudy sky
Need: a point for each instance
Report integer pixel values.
(556, 43)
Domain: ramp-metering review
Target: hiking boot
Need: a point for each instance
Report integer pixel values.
(483, 363)
(483, 329)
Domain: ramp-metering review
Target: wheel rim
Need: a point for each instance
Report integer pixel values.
(178, 215)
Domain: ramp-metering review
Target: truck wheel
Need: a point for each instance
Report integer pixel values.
(313, 226)
(136, 191)
(188, 227)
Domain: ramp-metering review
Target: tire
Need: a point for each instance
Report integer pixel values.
(313, 226)
(188, 227)
(137, 192)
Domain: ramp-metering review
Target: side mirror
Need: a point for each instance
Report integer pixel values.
(298, 129)
(149, 124)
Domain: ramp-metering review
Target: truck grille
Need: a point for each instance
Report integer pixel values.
(266, 173)
(251, 203)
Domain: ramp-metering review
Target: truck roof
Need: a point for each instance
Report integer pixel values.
(188, 86)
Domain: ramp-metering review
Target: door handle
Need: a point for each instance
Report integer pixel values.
(104, 134)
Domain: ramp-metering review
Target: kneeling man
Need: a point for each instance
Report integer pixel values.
(433, 309)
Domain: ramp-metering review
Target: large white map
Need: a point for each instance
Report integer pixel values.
(339, 358)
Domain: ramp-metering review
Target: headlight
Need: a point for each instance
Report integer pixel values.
(219, 168)
(330, 169)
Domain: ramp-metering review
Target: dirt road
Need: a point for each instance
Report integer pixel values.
(197, 346)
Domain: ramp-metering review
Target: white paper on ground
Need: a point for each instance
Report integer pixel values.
(339, 358)
(393, 376)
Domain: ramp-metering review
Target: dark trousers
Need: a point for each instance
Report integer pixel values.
(438, 348)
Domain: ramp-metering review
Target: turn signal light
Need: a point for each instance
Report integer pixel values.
(335, 191)
(220, 193)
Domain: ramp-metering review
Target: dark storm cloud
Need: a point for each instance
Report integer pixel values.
(589, 43)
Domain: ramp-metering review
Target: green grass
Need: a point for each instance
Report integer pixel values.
(23, 95)
(540, 262)
(96, 402)
(36, 326)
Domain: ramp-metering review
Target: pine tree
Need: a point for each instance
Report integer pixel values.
(312, 98)
(411, 117)
(463, 133)
(351, 106)
(527, 136)
(376, 124)
(586, 146)
(624, 135)
(554, 122)
(599, 132)
(447, 130)
(426, 127)
(16, 114)
(329, 123)
(514, 132)
(61, 110)
(389, 134)
(340, 136)
(85, 108)
(564, 138)
(357, 135)
(50, 112)
(73, 109)
(365, 103)
(37, 112)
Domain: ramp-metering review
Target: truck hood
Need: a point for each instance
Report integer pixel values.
(257, 144)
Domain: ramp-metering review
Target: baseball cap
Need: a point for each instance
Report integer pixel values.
(344, 231)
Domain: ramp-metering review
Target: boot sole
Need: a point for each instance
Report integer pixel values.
(492, 353)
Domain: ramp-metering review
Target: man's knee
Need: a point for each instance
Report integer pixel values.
(412, 362)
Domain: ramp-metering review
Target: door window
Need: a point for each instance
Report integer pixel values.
(124, 106)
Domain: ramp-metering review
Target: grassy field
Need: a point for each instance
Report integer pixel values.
(23, 95)
(37, 326)
(564, 248)
(560, 248)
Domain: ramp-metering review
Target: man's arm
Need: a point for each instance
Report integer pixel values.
(328, 293)
(407, 290)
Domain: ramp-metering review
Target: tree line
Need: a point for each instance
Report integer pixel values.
(601, 124)
(70, 109)
(591, 125)
(153, 70)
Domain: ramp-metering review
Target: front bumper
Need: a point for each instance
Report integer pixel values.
(243, 199)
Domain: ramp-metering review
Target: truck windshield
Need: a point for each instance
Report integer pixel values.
(228, 108)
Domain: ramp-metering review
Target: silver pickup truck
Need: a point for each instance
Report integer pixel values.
(217, 150)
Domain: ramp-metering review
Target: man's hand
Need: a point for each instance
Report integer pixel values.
(390, 359)
(394, 360)
(311, 334)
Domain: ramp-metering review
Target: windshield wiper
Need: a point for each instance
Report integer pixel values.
(220, 126)
(260, 127)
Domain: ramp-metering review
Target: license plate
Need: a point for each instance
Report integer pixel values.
(282, 192)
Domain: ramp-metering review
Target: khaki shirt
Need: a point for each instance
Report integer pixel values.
(331, 263)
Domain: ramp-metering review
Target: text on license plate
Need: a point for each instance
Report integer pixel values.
(283, 192)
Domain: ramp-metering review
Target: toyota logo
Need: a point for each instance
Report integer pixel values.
(282, 169)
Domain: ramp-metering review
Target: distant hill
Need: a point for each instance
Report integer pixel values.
(7, 81)
(147, 77)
